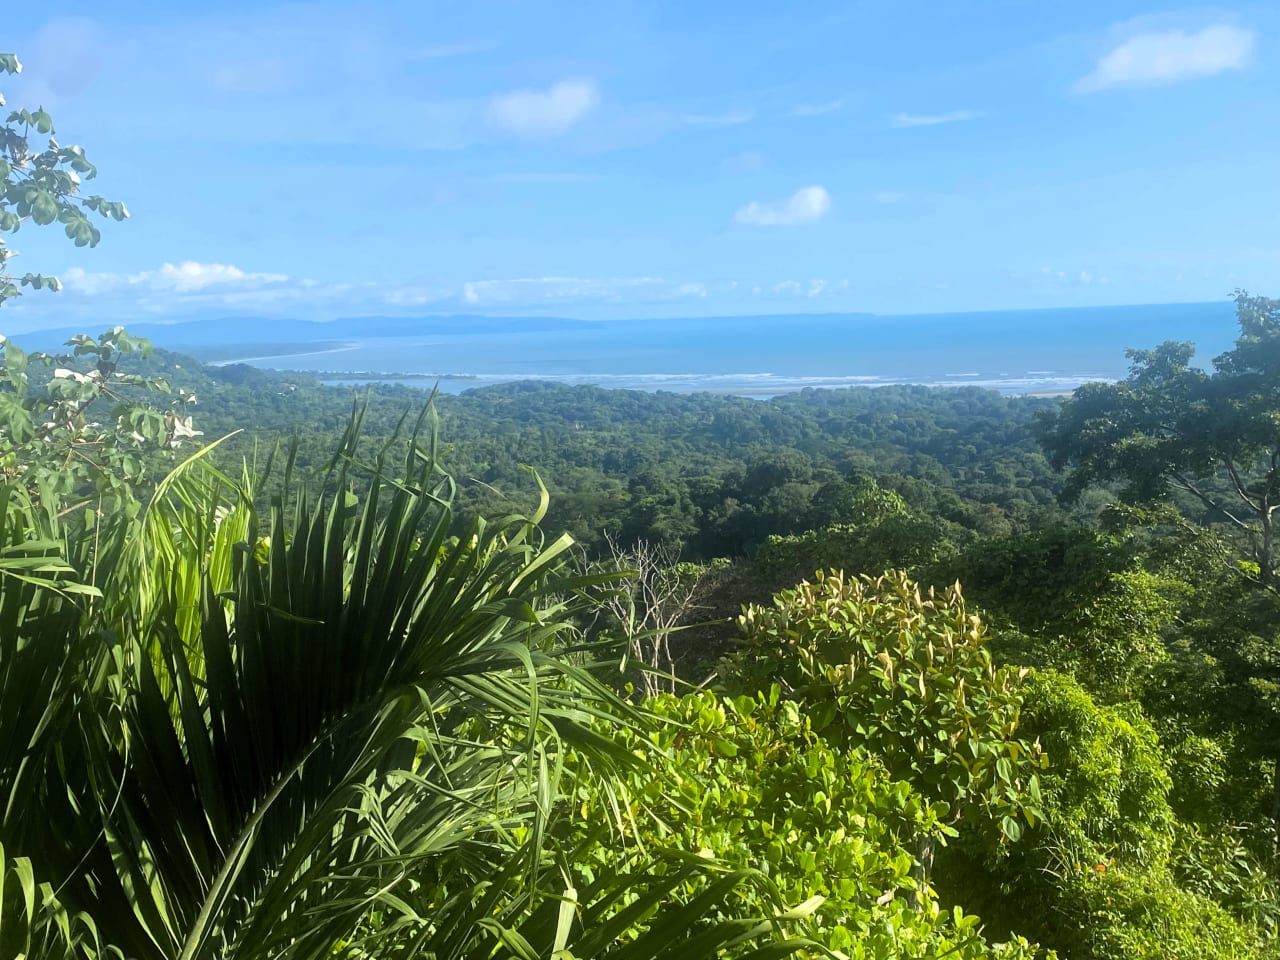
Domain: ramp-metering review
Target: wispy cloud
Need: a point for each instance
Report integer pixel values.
(808, 289)
(187, 290)
(730, 118)
(539, 114)
(186, 277)
(192, 288)
(819, 109)
(523, 291)
(1158, 59)
(806, 205)
(933, 119)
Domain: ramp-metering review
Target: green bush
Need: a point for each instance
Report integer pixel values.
(1117, 915)
(1106, 790)
(748, 781)
(906, 676)
(1095, 880)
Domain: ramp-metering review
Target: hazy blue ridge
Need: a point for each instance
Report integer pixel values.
(1017, 351)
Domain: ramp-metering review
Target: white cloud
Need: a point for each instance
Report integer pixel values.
(190, 275)
(731, 118)
(1157, 59)
(537, 114)
(810, 290)
(804, 206)
(193, 288)
(818, 109)
(932, 119)
(186, 277)
(532, 291)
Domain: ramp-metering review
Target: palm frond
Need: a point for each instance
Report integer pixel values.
(35, 925)
(252, 772)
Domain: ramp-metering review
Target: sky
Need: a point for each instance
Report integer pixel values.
(634, 159)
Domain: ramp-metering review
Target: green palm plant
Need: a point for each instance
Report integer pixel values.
(43, 650)
(243, 735)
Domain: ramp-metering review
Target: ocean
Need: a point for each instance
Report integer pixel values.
(1015, 352)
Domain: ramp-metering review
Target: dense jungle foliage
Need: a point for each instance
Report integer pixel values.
(891, 673)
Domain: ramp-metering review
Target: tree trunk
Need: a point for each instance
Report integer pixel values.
(1266, 561)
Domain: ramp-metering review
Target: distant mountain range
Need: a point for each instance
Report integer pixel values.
(247, 331)
(257, 330)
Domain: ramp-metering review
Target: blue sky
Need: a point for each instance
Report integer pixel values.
(629, 159)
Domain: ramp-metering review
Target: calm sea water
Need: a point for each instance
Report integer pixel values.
(1012, 351)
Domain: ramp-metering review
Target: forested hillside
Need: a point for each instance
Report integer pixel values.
(295, 671)
(716, 474)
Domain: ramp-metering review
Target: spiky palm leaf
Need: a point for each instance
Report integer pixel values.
(255, 750)
(257, 785)
(44, 652)
(43, 644)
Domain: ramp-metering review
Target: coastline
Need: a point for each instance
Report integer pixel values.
(744, 385)
(341, 348)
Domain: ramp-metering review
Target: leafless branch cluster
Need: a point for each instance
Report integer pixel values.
(650, 605)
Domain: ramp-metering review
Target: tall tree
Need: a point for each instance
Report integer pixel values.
(1169, 426)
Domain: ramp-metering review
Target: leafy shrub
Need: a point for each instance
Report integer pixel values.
(1117, 915)
(747, 780)
(907, 676)
(1106, 788)
(1094, 880)
(1217, 862)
